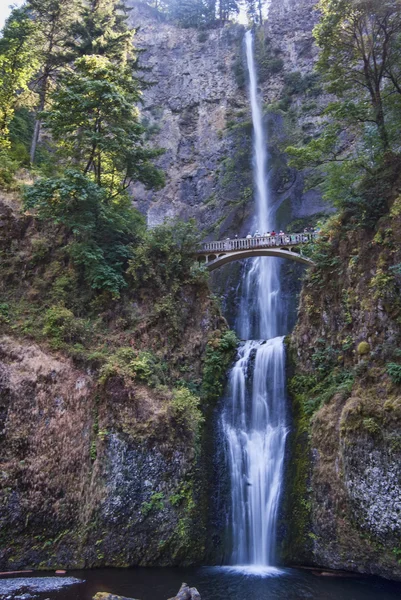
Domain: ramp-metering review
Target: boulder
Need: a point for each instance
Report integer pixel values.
(187, 593)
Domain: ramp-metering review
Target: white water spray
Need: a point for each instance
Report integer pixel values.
(254, 418)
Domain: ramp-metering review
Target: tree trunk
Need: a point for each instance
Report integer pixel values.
(38, 121)
(379, 116)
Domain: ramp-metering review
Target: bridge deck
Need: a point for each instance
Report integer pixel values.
(217, 254)
(240, 244)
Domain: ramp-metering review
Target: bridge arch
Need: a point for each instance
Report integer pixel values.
(218, 253)
(213, 262)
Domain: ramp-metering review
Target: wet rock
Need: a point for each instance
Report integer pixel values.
(24, 585)
(187, 593)
(108, 596)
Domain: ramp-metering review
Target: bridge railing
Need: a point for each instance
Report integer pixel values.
(249, 243)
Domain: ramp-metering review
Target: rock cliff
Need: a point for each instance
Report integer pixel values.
(345, 486)
(199, 112)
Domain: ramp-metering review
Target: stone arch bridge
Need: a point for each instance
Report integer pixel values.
(216, 254)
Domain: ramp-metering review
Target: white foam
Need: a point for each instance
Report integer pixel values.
(253, 570)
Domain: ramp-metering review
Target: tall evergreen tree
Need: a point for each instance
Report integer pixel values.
(96, 124)
(227, 8)
(53, 19)
(18, 62)
(102, 29)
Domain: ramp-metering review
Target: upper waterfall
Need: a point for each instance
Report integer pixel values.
(260, 156)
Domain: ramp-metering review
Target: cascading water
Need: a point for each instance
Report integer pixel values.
(254, 416)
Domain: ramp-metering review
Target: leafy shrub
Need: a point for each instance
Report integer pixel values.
(61, 325)
(312, 391)
(394, 371)
(165, 257)
(102, 230)
(185, 411)
(220, 352)
(239, 71)
(4, 312)
(8, 169)
(129, 363)
(324, 359)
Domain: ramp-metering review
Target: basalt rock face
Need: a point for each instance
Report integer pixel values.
(198, 111)
(345, 486)
(78, 481)
(188, 110)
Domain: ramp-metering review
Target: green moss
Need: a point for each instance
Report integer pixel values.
(156, 503)
(363, 348)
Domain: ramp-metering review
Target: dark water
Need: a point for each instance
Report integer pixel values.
(215, 583)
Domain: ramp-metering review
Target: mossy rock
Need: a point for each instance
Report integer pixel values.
(363, 348)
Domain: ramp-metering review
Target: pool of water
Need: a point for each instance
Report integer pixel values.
(223, 583)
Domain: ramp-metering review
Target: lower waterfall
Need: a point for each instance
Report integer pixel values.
(254, 424)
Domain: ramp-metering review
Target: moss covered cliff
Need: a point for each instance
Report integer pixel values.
(103, 404)
(345, 479)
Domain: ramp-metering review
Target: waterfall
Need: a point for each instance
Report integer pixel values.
(254, 415)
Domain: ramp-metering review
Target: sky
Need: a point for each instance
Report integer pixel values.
(5, 9)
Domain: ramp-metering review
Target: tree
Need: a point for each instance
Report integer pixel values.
(102, 29)
(17, 65)
(95, 122)
(99, 140)
(227, 8)
(102, 232)
(192, 13)
(254, 10)
(359, 138)
(360, 54)
(53, 19)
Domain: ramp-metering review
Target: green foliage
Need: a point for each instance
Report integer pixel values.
(351, 159)
(312, 391)
(354, 33)
(185, 411)
(4, 312)
(102, 230)
(267, 57)
(220, 352)
(394, 370)
(17, 64)
(133, 364)
(102, 29)
(61, 325)
(183, 495)
(156, 503)
(165, 257)
(196, 13)
(21, 131)
(8, 169)
(295, 83)
(95, 122)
